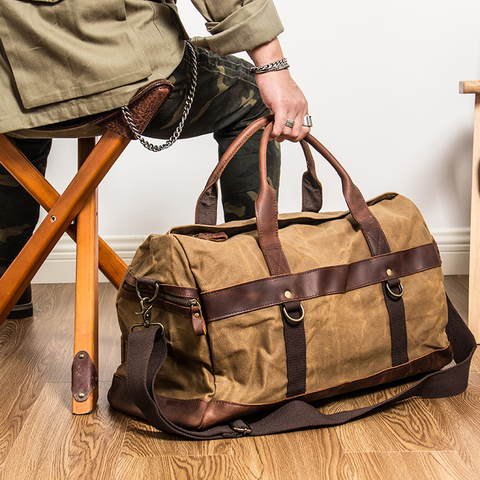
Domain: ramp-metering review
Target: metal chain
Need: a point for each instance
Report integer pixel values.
(186, 110)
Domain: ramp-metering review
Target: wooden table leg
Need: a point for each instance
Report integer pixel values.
(474, 276)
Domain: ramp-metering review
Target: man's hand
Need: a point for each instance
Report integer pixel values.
(280, 94)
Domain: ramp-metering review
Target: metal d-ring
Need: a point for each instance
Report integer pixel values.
(393, 294)
(296, 320)
(148, 325)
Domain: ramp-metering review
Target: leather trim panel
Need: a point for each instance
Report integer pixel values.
(269, 291)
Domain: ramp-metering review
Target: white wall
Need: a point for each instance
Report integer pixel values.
(382, 83)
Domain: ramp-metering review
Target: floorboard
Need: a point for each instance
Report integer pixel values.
(55, 444)
(409, 466)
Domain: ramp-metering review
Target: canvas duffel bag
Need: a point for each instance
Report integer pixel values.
(223, 321)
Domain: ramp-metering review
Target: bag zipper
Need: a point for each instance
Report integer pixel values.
(196, 315)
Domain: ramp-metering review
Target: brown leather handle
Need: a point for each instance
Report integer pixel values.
(266, 208)
(266, 205)
(206, 209)
(267, 216)
(374, 235)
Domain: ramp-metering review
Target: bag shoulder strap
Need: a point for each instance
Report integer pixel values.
(147, 351)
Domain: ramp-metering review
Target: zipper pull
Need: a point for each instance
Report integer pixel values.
(198, 322)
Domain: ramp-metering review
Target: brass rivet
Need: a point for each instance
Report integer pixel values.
(389, 272)
(288, 294)
(81, 356)
(81, 395)
(197, 315)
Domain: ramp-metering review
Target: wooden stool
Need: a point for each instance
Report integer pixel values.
(78, 201)
(474, 274)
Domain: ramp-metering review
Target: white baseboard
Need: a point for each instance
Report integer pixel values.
(454, 246)
(60, 265)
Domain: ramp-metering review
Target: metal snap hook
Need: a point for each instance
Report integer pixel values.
(146, 304)
(147, 299)
(148, 325)
(242, 430)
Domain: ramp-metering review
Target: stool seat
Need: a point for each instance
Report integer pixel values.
(77, 201)
(143, 106)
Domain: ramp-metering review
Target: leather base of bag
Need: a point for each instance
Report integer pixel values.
(252, 315)
(200, 414)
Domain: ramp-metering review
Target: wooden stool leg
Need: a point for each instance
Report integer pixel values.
(85, 364)
(29, 260)
(111, 265)
(474, 276)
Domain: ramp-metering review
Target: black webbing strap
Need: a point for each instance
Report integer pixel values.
(147, 351)
(398, 324)
(296, 352)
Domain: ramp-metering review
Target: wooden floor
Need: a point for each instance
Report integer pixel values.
(40, 439)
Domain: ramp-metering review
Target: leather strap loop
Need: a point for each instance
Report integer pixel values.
(267, 215)
(206, 210)
(371, 229)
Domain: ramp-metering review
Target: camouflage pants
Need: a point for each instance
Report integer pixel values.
(18, 210)
(226, 101)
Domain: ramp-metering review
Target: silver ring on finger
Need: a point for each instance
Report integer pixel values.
(307, 121)
(289, 123)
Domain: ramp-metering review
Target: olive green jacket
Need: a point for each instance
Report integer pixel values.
(62, 59)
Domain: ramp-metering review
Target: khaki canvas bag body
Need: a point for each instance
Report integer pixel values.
(223, 321)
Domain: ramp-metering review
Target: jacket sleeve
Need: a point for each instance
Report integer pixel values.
(237, 25)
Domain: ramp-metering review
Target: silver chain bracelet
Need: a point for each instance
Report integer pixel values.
(271, 67)
(186, 110)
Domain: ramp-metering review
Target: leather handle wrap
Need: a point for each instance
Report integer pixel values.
(206, 210)
(267, 216)
(376, 239)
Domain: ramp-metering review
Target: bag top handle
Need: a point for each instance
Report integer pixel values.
(206, 209)
(267, 214)
(374, 235)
